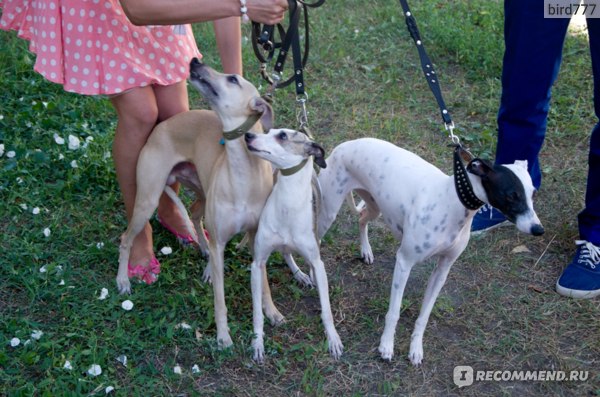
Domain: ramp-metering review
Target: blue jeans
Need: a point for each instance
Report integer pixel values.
(531, 63)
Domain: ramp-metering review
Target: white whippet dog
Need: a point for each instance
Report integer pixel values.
(421, 206)
(288, 222)
(231, 185)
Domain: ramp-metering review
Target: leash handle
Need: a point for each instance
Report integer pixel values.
(428, 69)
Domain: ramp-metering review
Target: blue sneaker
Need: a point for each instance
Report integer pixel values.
(487, 218)
(581, 279)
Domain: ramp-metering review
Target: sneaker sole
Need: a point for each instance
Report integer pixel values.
(496, 226)
(575, 293)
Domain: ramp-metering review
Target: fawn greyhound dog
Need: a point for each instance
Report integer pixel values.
(231, 185)
(421, 206)
(288, 222)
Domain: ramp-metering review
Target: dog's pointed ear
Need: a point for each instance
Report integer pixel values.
(481, 168)
(260, 105)
(314, 149)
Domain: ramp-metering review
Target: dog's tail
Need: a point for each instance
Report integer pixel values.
(183, 211)
(352, 204)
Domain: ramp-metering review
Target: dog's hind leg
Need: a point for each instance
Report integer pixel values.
(400, 277)
(299, 275)
(368, 212)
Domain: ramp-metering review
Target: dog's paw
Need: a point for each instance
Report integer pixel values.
(367, 256)
(336, 348)
(275, 318)
(123, 285)
(415, 354)
(304, 279)
(259, 351)
(206, 275)
(387, 352)
(416, 358)
(224, 341)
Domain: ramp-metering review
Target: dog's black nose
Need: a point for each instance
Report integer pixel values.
(248, 136)
(196, 62)
(537, 230)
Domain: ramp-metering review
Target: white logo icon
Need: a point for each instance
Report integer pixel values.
(463, 375)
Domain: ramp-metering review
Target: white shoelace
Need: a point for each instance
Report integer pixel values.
(486, 207)
(590, 254)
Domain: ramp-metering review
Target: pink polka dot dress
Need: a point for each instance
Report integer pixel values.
(91, 48)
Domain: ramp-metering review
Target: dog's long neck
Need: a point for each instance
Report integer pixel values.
(477, 189)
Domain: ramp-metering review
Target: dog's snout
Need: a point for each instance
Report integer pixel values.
(537, 230)
(248, 137)
(195, 62)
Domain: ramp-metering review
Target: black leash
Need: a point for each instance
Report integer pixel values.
(265, 44)
(462, 184)
(428, 70)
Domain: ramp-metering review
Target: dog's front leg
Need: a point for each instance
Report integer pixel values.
(258, 320)
(311, 254)
(401, 273)
(216, 264)
(434, 286)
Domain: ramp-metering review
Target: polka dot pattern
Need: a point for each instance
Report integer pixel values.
(91, 48)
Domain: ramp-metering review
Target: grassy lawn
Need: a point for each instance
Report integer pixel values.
(61, 217)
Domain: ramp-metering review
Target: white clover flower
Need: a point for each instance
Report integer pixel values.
(43, 269)
(62, 282)
(1, 117)
(100, 245)
(1, 148)
(122, 359)
(195, 369)
(183, 325)
(177, 369)
(58, 139)
(37, 334)
(45, 104)
(47, 232)
(23, 206)
(103, 294)
(10, 154)
(166, 250)
(73, 142)
(14, 342)
(127, 305)
(61, 156)
(94, 370)
(35, 211)
(109, 389)
(74, 164)
(29, 124)
(19, 180)
(68, 365)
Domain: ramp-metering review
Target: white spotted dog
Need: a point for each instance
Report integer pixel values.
(422, 207)
(288, 222)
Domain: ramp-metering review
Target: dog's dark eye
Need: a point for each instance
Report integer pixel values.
(233, 79)
(282, 136)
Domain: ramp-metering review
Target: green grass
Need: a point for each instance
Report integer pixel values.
(497, 311)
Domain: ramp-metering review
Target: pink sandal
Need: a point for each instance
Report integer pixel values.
(148, 274)
(183, 239)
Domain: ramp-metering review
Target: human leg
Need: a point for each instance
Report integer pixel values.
(137, 113)
(581, 278)
(530, 65)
